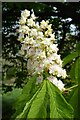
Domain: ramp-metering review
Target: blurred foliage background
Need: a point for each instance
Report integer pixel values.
(65, 20)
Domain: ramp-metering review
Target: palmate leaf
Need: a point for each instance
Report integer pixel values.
(36, 107)
(59, 108)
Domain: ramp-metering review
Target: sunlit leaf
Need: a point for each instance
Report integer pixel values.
(39, 104)
(59, 108)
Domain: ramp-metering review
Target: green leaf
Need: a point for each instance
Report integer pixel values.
(72, 72)
(59, 108)
(39, 104)
(27, 93)
(69, 58)
(77, 70)
(74, 101)
(25, 111)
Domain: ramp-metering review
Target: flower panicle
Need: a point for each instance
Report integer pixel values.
(41, 50)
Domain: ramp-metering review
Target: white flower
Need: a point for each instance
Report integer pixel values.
(60, 85)
(44, 24)
(24, 47)
(39, 79)
(31, 52)
(48, 32)
(59, 62)
(63, 74)
(24, 29)
(30, 22)
(21, 37)
(40, 34)
(37, 26)
(53, 80)
(38, 51)
(24, 16)
(53, 48)
(40, 54)
(39, 68)
(25, 13)
(56, 82)
(26, 40)
(33, 16)
(46, 41)
(46, 63)
(33, 32)
(52, 37)
(49, 26)
(22, 20)
(29, 41)
(30, 67)
(55, 70)
(56, 56)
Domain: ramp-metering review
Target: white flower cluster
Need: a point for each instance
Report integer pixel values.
(38, 42)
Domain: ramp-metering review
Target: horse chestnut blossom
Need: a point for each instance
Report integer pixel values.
(40, 49)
